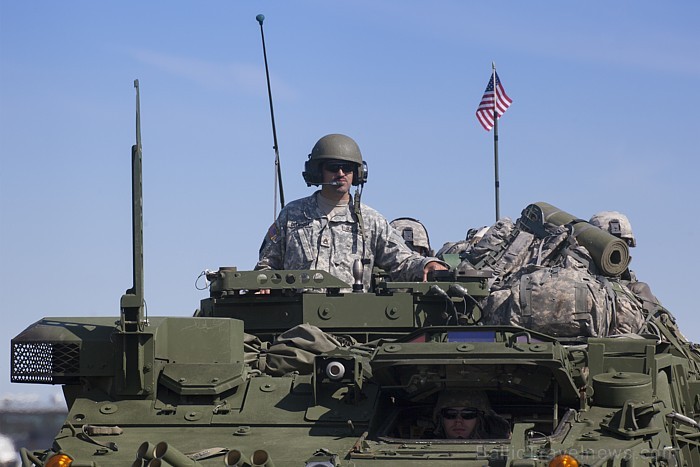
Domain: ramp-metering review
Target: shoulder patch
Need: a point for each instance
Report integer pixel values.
(273, 233)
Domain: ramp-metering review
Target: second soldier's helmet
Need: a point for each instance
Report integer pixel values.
(414, 234)
(334, 147)
(616, 223)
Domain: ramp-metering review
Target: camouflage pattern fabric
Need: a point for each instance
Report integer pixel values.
(473, 236)
(628, 308)
(616, 223)
(566, 301)
(546, 281)
(505, 248)
(453, 248)
(412, 231)
(558, 301)
(502, 250)
(303, 238)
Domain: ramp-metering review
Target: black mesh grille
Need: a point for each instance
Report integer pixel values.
(44, 362)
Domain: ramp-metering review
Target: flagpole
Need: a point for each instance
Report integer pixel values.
(495, 140)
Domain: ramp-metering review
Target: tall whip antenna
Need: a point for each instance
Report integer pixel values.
(278, 169)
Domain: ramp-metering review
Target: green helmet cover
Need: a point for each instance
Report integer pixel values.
(334, 147)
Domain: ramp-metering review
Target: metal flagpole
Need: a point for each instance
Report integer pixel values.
(495, 140)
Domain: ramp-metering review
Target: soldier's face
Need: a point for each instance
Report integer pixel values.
(458, 422)
(339, 173)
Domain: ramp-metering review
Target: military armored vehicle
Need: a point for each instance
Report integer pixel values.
(318, 373)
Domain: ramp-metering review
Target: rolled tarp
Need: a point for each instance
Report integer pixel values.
(610, 254)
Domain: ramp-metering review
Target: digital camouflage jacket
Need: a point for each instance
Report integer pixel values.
(303, 238)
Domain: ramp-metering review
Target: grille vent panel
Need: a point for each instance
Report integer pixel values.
(45, 362)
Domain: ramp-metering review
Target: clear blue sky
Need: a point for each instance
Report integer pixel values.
(604, 118)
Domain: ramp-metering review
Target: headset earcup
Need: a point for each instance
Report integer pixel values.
(360, 175)
(311, 173)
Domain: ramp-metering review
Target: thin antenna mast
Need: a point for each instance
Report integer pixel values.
(133, 378)
(278, 169)
(132, 316)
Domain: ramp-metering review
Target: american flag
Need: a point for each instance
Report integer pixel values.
(484, 113)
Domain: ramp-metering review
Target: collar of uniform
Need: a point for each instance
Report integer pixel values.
(343, 217)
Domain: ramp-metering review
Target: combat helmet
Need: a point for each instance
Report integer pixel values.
(414, 234)
(334, 147)
(616, 223)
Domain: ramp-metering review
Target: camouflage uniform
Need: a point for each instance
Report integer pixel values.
(619, 225)
(303, 238)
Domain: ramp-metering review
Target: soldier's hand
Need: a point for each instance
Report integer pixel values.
(432, 266)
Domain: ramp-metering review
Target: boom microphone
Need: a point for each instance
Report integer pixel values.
(333, 183)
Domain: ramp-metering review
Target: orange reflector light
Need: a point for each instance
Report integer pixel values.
(59, 460)
(563, 460)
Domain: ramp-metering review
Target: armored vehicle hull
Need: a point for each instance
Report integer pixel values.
(196, 392)
(317, 373)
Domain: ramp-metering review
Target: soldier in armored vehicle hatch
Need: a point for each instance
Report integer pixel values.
(467, 414)
(330, 231)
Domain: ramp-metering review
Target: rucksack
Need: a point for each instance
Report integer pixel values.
(629, 314)
(558, 301)
(506, 248)
(503, 248)
(544, 280)
(565, 300)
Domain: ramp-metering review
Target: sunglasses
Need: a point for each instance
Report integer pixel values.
(464, 414)
(333, 167)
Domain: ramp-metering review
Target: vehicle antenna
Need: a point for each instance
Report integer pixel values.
(278, 169)
(132, 318)
(132, 379)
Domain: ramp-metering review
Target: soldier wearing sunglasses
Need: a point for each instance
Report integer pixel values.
(330, 230)
(467, 414)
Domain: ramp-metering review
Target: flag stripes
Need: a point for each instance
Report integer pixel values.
(501, 102)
